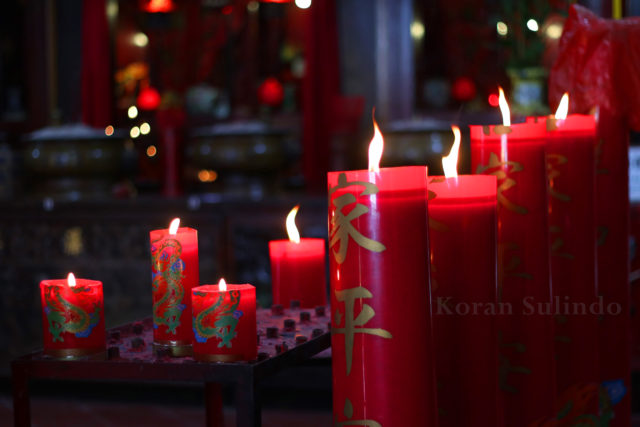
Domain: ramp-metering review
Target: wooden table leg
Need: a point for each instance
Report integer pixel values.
(213, 399)
(21, 402)
(248, 410)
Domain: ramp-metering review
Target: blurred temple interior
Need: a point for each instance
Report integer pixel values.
(118, 115)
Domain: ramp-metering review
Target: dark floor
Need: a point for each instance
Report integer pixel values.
(53, 412)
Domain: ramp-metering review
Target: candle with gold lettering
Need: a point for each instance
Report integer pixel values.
(515, 154)
(73, 318)
(298, 268)
(463, 238)
(174, 271)
(570, 154)
(382, 353)
(224, 322)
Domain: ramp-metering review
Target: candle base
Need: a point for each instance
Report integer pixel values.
(173, 348)
(200, 357)
(77, 353)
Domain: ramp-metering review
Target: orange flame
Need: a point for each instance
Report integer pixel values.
(450, 162)
(173, 227)
(222, 285)
(292, 230)
(563, 107)
(504, 108)
(375, 147)
(71, 280)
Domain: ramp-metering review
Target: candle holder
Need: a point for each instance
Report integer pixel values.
(73, 319)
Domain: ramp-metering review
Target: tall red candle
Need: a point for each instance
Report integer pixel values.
(224, 322)
(515, 155)
(382, 354)
(174, 271)
(571, 193)
(463, 238)
(612, 217)
(73, 318)
(298, 268)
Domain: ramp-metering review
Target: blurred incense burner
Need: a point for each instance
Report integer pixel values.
(72, 162)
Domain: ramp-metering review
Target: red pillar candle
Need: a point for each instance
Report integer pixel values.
(224, 322)
(174, 271)
(73, 318)
(571, 193)
(515, 155)
(612, 218)
(382, 354)
(298, 268)
(463, 238)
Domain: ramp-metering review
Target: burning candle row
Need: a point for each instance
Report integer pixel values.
(210, 322)
(497, 241)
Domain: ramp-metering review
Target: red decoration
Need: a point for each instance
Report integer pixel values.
(72, 318)
(463, 89)
(224, 323)
(515, 155)
(463, 237)
(148, 99)
(383, 358)
(493, 99)
(271, 92)
(175, 270)
(298, 272)
(158, 6)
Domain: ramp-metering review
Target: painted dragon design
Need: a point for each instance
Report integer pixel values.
(226, 318)
(167, 274)
(64, 316)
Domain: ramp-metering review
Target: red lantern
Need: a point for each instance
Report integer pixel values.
(157, 6)
(464, 89)
(148, 98)
(271, 92)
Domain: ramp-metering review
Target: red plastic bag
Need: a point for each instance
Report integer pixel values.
(598, 63)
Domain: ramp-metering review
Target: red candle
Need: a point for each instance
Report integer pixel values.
(174, 270)
(572, 226)
(612, 218)
(224, 322)
(382, 353)
(463, 237)
(73, 318)
(298, 268)
(515, 155)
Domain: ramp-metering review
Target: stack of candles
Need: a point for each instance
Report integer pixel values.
(484, 285)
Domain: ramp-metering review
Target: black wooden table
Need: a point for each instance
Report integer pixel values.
(282, 343)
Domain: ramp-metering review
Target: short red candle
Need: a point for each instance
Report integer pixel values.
(516, 156)
(174, 271)
(572, 225)
(298, 272)
(73, 318)
(224, 323)
(382, 353)
(463, 237)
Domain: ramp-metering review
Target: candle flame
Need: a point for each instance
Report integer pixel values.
(71, 280)
(292, 230)
(450, 162)
(563, 107)
(222, 285)
(375, 147)
(173, 227)
(504, 108)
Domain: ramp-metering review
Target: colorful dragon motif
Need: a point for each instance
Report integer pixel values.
(576, 400)
(167, 274)
(226, 318)
(66, 317)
